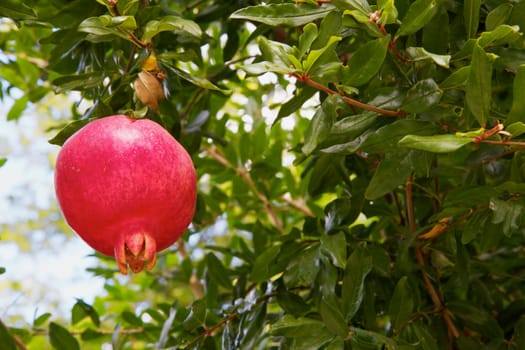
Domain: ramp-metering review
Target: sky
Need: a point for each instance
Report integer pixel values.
(43, 280)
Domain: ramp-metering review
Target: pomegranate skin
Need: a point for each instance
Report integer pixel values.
(127, 188)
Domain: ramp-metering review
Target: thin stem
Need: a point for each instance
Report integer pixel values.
(245, 175)
(306, 79)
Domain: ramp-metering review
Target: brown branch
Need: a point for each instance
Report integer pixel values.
(245, 175)
(307, 80)
(299, 205)
(438, 304)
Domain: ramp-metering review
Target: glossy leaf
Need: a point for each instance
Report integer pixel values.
(419, 53)
(479, 85)
(16, 10)
(335, 247)
(321, 124)
(392, 171)
(366, 61)
(105, 25)
(333, 318)
(419, 13)
(456, 79)
(436, 143)
(402, 303)
(283, 14)
(508, 213)
(171, 23)
(422, 96)
(82, 310)
(357, 268)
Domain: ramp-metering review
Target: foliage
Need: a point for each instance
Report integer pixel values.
(400, 223)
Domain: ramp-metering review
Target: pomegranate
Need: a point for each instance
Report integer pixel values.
(127, 188)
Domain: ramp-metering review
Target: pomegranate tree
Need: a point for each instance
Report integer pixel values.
(127, 187)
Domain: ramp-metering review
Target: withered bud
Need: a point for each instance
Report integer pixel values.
(149, 89)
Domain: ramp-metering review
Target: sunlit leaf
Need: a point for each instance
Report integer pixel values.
(419, 13)
(283, 14)
(171, 23)
(436, 143)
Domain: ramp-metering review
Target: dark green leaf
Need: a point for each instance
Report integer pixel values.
(16, 10)
(198, 81)
(357, 268)
(321, 124)
(419, 53)
(508, 213)
(364, 339)
(283, 14)
(61, 338)
(391, 172)
(78, 81)
(333, 318)
(217, 271)
(334, 246)
(436, 143)
(40, 320)
(456, 79)
(498, 16)
(402, 303)
(517, 111)
(2, 269)
(479, 85)
(366, 61)
(516, 129)
(476, 318)
(419, 13)
(6, 339)
(471, 10)
(67, 131)
(420, 97)
(264, 266)
(82, 310)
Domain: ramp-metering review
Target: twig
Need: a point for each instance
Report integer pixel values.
(307, 80)
(245, 175)
(445, 313)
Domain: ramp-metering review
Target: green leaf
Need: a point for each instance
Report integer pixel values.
(40, 320)
(420, 97)
(67, 131)
(456, 79)
(78, 82)
(171, 23)
(315, 55)
(392, 171)
(435, 143)
(360, 5)
(508, 213)
(517, 111)
(18, 108)
(217, 271)
(264, 266)
(105, 25)
(2, 161)
(516, 129)
(498, 34)
(364, 339)
(333, 318)
(283, 14)
(402, 303)
(419, 13)
(6, 339)
(82, 310)
(498, 16)
(16, 10)
(366, 61)
(334, 246)
(321, 124)
(419, 53)
(61, 338)
(479, 85)
(306, 39)
(476, 318)
(195, 80)
(357, 268)
(471, 10)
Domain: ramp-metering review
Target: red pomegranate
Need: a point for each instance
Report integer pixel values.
(127, 187)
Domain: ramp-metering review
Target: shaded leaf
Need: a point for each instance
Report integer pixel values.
(517, 111)
(6, 339)
(479, 84)
(419, 13)
(16, 10)
(420, 97)
(61, 338)
(366, 61)
(419, 53)
(333, 318)
(392, 171)
(335, 247)
(217, 271)
(357, 268)
(198, 81)
(471, 10)
(67, 131)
